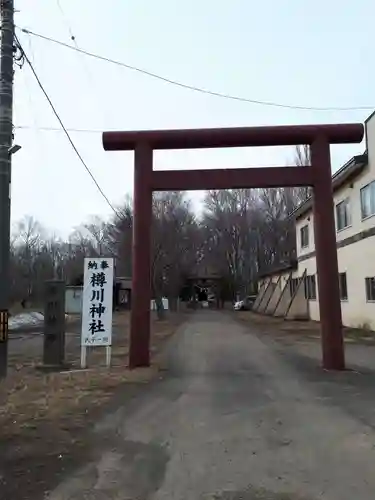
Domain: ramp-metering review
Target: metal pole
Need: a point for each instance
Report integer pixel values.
(6, 137)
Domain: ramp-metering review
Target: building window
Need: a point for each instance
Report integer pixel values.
(370, 289)
(310, 287)
(305, 236)
(343, 216)
(343, 286)
(368, 200)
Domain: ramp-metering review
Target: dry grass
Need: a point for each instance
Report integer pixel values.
(28, 393)
(300, 330)
(31, 398)
(44, 417)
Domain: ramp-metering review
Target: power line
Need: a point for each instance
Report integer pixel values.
(192, 87)
(65, 130)
(66, 20)
(90, 80)
(56, 129)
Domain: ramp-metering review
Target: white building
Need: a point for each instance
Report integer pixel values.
(354, 205)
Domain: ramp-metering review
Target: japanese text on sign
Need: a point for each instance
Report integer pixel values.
(97, 302)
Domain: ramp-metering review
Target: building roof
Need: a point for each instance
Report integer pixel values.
(279, 268)
(346, 173)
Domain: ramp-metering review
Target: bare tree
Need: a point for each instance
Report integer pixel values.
(302, 155)
(97, 231)
(27, 243)
(229, 223)
(240, 233)
(175, 236)
(302, 158)
(247, 231)
(119, 237)
(175, 243)
(276, 228)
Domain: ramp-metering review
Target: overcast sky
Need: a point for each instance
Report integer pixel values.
(303, 53)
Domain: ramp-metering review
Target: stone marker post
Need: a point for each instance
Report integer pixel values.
(54, 323)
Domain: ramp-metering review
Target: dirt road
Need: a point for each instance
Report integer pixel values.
(233, 418)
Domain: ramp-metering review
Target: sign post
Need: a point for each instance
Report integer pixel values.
(97, 306)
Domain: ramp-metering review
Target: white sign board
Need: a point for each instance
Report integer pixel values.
(97, 302)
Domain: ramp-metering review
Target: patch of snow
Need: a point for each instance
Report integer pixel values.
(26, 319)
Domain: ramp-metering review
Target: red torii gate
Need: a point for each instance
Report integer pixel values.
(317, 175)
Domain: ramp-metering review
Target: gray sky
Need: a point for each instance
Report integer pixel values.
(295, 52)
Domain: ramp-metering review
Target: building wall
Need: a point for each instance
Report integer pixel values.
(310, 266)
(284, 278)
(352, 192)
(356, 311)
(357, 258)
(73, 299)
(307, 220)
(358, 261)
(370, 137)
(261, 282)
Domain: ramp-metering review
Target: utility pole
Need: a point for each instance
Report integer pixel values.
(6, 138)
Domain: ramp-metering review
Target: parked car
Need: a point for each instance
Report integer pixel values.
(246, 304)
